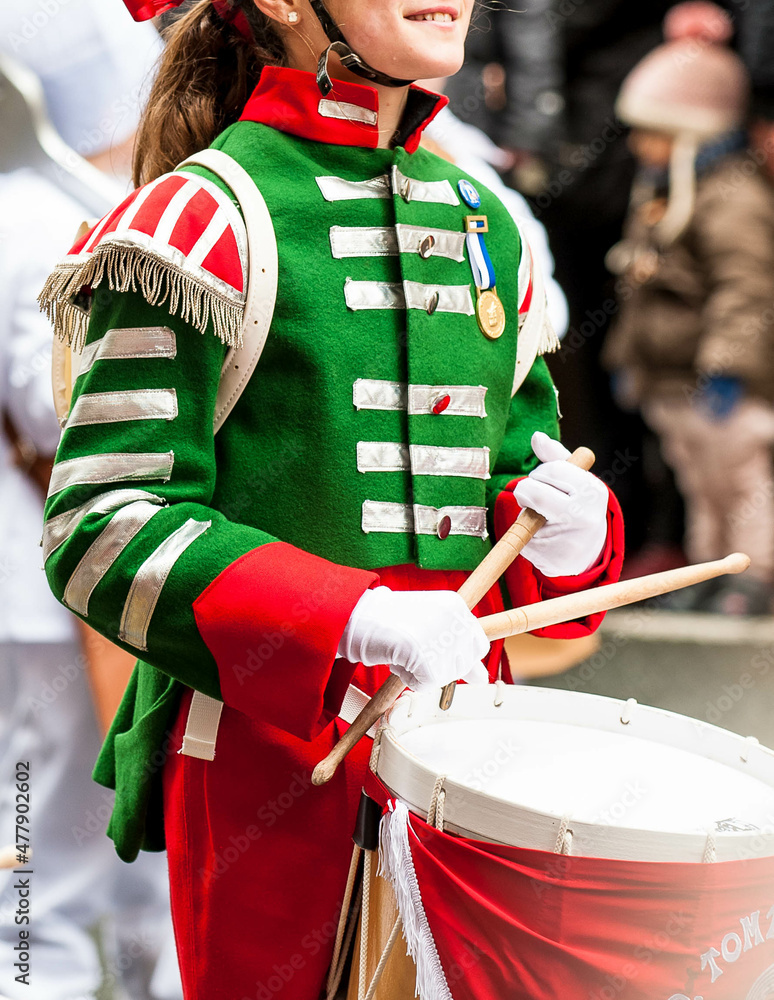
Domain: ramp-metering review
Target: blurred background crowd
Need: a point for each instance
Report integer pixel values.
(635, 143)
(642, 136)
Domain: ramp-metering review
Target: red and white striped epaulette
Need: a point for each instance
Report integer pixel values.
(532, 299)
(179, 240)
(526, 281)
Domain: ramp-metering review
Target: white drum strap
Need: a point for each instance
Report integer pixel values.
(201, 731)
(354, 702)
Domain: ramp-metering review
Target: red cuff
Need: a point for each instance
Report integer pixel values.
(273, 620)
(527, 585)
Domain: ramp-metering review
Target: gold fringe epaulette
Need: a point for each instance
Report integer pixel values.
(135, 248)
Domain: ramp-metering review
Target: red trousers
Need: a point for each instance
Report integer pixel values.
(258, 856)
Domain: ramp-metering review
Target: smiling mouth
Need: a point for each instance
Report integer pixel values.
(440, 17)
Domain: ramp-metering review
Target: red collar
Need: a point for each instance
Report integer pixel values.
(289, 100)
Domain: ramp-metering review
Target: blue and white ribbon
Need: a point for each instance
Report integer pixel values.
(480, 262)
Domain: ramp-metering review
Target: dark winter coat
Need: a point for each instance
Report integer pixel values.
(704, 305)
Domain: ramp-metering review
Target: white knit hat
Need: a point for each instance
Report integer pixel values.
(692, 87)
(693, 82)
(93, 61)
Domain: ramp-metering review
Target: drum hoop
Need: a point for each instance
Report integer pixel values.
(482, 816)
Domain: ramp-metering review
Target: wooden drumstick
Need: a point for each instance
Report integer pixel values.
(497, 561)
(553, 612)
(613, 595)
(484, 576)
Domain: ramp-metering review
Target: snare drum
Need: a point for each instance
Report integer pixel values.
(546, 844)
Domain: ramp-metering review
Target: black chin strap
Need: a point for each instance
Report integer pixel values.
(349, 59)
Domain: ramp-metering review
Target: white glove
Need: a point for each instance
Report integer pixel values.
(428, 637)
(574, 504)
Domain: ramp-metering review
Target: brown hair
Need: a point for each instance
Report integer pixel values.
(205, 76)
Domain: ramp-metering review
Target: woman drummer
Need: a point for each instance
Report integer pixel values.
(374, 451)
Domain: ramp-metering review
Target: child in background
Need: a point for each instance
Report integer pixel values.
(693, 343)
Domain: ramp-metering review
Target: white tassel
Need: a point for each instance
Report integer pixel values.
(397, 865)
(549, 342)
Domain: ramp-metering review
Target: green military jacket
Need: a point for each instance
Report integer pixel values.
(378, 429)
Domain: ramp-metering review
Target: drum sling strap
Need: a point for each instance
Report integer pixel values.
(201, 731)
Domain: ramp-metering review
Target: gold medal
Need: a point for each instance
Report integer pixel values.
(490, 313)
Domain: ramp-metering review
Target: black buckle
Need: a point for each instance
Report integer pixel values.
(324, 82)
(369, 816)
(349, 59)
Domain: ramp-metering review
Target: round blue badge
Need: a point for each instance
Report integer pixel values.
(470, 196)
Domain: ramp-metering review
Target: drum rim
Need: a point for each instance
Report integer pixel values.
(478, 815)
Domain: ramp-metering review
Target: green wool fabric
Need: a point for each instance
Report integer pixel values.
(284, 466)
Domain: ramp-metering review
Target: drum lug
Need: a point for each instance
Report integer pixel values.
(628, 709)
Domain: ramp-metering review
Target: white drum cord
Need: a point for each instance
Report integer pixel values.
(346, 928)
(348, 921)
(374, 758)
(367, 990)
(437, 802)
(564, 838)
(384, 959)
(365, 920)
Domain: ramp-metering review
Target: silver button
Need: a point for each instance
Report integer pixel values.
(426, 246)
(444, 527)
(405, 191)
(432, 305)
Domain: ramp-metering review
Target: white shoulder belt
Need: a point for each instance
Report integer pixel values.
(262, 275)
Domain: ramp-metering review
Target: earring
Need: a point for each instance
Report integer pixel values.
(293, 17)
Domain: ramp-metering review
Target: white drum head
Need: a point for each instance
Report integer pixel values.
(624, 780)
